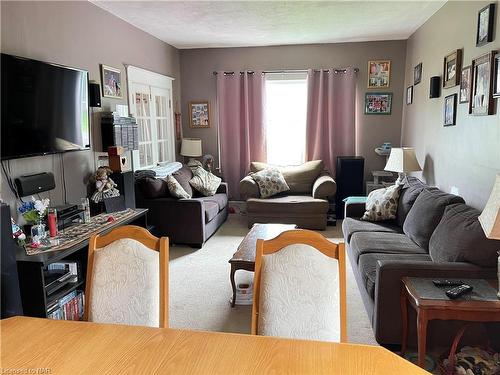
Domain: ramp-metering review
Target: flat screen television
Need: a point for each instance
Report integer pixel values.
(44, 109)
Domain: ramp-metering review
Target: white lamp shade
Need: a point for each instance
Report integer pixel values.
(490, 217)
(191, 147)
(402, 160)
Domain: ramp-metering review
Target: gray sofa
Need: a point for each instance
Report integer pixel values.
(434, 235)
(305, 204)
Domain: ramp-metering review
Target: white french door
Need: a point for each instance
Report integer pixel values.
(150, 102)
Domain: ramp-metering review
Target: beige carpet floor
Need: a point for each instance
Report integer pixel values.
(200, 289)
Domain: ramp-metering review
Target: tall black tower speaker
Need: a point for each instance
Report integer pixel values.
(349, 177)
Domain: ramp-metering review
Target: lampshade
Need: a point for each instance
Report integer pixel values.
(191, 147)
(490, 217)
(402, 160)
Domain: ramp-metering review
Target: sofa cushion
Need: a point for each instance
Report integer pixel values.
(183, 176)
(351, 226)
(382, 204)
(409, 193)
(459, 237)
(425, 214)
(300, 178)
(270, 182)
(220, 199)
(211, 210)
(367, 266)
(382, 242)
(152, 188)
(289, 205)
(205, 182)
(176, 189)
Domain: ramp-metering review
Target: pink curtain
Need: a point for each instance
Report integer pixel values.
(242, 137)
(330, 116)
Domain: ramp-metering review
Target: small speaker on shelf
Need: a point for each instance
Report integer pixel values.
(94, 94)
(435, 87)
(35, 183)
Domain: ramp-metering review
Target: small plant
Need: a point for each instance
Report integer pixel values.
(33, 211)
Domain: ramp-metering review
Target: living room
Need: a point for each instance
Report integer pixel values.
(227, 90)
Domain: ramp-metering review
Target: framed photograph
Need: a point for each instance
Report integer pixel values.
(451, 69)
(409, 95)
(465, 84)
(378, 103)
(481, 102)
(379, 74)
(450, 110)
(199, 114)
(496, 78)
(485, 20)
(417, 74)
(111, 82)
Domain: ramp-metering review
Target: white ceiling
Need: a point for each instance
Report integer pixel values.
(204, 24)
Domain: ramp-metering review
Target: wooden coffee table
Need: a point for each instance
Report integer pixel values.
(244, 257)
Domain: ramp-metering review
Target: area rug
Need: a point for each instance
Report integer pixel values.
(200, 289)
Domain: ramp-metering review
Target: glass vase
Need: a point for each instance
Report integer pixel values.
(37, 233)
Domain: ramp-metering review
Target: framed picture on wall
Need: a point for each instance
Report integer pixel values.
(485, 20)
(465, 84)
(199, 114)
(417, 74)
(451, 69)
(496, 80)
(450, 110)
(409, 95)
(378, 103)
(111, 82)
(481, 102)
(379, 74)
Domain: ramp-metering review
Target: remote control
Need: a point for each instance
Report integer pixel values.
(458, 291)
(447, 282)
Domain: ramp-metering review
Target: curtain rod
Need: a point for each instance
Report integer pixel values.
(341, 70)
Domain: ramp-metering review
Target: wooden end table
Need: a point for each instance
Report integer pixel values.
(244, 257)
(442, 309)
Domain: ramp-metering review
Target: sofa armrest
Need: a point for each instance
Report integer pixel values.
(222, 189)
(387, 312)
(324, 186)
(354, 210)
(249, 188)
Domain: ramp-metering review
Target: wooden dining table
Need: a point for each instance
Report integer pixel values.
(44, 346)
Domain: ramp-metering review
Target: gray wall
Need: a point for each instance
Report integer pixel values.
(82, 35)
(465, 156)
(198, 83)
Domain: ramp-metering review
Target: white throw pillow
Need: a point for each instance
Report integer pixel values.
(205, 182)
(175, 189)
(270, 182)
(382, 204)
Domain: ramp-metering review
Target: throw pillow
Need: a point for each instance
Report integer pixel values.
(205, 182)
(183, 176)
(382, 204)
(176, 189)
(270, 182)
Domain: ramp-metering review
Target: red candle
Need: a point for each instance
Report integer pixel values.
(52, 218)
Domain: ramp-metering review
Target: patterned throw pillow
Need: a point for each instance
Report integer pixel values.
(270, 182)
(175, 188)
(382, 204)
(205, 182)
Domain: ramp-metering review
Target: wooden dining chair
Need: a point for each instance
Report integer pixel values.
(300, 287)
(127, 278)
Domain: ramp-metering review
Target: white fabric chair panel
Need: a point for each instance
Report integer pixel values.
(299, 296)
(126, 284)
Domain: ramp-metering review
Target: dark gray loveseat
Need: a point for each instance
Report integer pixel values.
(434, 235)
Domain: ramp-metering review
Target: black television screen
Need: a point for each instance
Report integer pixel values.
(44, 108)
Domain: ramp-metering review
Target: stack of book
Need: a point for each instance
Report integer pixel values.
(117, 130)
(69, 307)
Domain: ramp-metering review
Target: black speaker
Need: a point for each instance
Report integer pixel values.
(35, 183)
(435, 87)
(94, 94)
(11, 295)
(125, 184)
(349, 177)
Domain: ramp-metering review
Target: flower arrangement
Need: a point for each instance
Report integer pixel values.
(33, 211)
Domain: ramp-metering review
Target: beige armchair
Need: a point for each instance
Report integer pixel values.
(305, 204)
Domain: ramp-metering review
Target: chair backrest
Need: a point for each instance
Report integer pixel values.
(311, 261)
(127, 278)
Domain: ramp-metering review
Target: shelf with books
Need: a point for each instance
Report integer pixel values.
(64, 291)
(68, 307)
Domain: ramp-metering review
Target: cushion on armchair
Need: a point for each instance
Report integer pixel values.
(324, 186)
(249, 188)
(270, 182)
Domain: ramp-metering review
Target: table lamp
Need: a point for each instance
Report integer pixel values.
(490, 220)
(402, 160)
(191, 147)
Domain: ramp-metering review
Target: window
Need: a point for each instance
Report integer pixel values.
(286, 110)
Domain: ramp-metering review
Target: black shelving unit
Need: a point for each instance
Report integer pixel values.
(30, 270)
